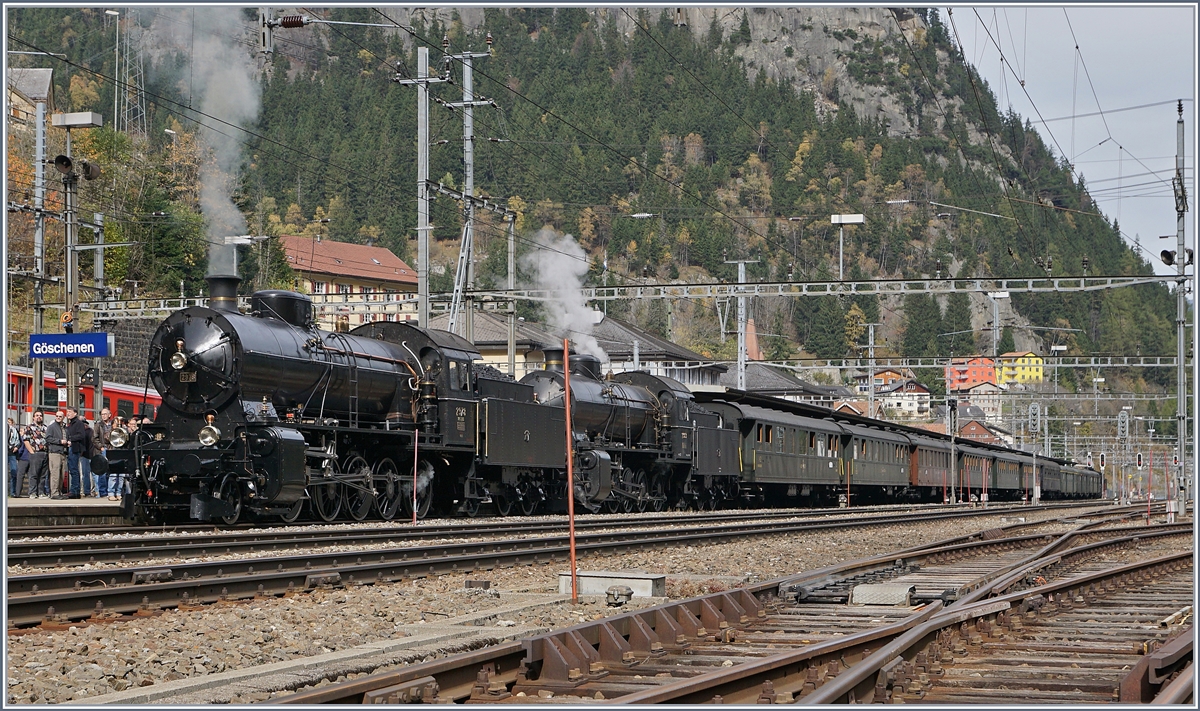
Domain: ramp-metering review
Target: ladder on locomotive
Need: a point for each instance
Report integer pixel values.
(353, 416)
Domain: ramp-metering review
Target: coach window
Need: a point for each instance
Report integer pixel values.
(758, 434)
(125, 408)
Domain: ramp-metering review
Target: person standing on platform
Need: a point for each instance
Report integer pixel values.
(35, 447)
(23, 473)
(56, 447)
(87, 483)
(14, 452)
(77, 436)
(100, 444)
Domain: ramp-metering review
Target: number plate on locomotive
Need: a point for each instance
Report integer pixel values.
(187, 376)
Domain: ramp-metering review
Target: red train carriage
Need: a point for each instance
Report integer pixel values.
(123, 400)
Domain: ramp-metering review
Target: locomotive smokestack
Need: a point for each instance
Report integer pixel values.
(554, 359)
(222, 291)
(586, 364)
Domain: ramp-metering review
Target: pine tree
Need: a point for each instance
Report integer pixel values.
(922, 324)
(958, 322)
(1007, 344)
(742, 36)
(827, 337)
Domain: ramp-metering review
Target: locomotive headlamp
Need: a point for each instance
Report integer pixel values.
(209, 435)
(179, 358)
(118, 437)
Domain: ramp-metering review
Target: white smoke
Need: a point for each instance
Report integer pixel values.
(558, 264)
(219, 72)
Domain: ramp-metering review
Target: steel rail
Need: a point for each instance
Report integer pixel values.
(613, 640)
(455, 526)
(1181, 690)
(78, 594)
(57, 553)
(865, 680)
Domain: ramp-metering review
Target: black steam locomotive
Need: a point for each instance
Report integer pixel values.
(264, 412)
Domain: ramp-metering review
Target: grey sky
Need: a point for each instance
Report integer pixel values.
(1134, 55)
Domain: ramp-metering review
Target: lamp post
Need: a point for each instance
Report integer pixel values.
(90, 171)
(841, 220)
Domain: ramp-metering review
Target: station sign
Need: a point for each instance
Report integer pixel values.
(70, 345)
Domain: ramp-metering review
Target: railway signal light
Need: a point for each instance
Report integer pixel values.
(1139, 460)
(1103, 459)
(64, 165)
(1168, 257)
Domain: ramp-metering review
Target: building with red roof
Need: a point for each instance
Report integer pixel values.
(361, 283)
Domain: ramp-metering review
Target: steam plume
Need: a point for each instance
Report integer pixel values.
(558, 264)
(222, 76)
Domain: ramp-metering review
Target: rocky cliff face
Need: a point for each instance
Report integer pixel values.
(808, 47)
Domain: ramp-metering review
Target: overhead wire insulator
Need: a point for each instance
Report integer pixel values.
(293, 21)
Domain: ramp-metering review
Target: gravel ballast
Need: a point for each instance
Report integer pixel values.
(84, 664)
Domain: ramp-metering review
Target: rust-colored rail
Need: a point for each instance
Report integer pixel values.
(769, 642)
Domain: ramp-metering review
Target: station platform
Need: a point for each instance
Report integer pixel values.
(65, 512)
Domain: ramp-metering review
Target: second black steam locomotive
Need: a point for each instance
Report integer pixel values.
(265, 414)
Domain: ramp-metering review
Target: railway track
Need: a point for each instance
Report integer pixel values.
(56, 598)
(453, 526)
(776, 643)
(130, 549)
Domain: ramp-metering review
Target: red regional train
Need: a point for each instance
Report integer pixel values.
(122, 400)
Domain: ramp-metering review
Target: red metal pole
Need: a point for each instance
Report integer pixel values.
(570, 468)
(416, 439)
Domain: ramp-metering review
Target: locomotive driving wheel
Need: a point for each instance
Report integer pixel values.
(357, 492)
(326, 498)
(231, 494)
(424, 497)
(504, 501)
(292, 514)
(638, 486)
(627, 481)
(658, 492)
(387, 489)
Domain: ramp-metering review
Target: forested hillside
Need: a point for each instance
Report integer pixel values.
(739, 131)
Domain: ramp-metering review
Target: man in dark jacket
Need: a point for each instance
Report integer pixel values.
(55, 447)
(78, 434)
(100, 445)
